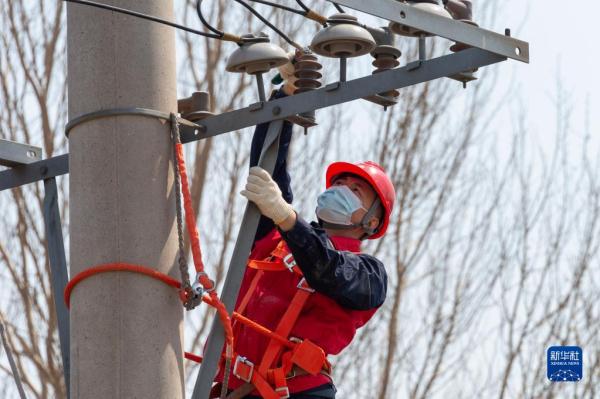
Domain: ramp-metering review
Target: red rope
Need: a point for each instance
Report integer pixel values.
(117, 267)
(126, 267)
(190, 221)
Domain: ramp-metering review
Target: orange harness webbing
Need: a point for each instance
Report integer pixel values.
(271, 382)
(280, 259)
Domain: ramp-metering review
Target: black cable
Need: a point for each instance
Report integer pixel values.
(305, 12)
(301, 4)
(270, 25)
(290, 9)
(338, 7)
(204, 21)
(144, 16)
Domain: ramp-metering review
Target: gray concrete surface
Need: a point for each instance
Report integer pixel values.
(126, 329)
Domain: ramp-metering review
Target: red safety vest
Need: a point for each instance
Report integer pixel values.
(275, 295)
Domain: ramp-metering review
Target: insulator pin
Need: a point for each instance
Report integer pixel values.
(386, 58)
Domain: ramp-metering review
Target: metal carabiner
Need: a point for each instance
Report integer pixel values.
(198, 288)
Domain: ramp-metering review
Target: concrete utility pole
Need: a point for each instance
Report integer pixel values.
(126, 329)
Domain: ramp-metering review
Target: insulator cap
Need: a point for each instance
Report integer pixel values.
(461, 10)
(256, 55)
(386, 50)
(344, 37)
(431, 6)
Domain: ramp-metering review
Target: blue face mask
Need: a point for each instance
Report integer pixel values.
(337, 204)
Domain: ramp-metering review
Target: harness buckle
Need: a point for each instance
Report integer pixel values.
(303, 285)
(283, 392)
(289, 262)
(243, 368)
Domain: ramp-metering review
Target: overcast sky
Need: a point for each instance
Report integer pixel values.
(563, 42)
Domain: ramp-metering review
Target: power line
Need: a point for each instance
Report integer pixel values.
(145, 16)
(256, 14)
(286, 8)
(338, 7)
(270, 25)
(205, 22)
(301, 4)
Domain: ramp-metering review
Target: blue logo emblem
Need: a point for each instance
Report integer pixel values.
(565, 363)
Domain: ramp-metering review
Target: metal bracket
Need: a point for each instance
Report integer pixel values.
(411, 66)
(59, 272)
(14, 154)
(135, 111)
(19, 156)
(36, 171)
(196, 107)
(256, 106)
(458, 31)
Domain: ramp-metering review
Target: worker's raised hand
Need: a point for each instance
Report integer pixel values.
(264, 192)
(287, 74)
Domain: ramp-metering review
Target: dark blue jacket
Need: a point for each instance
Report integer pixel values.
(355, 281)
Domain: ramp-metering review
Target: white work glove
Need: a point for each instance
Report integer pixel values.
(264, 192)
(287, 74)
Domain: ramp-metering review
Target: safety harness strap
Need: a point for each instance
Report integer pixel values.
(263, 387)
(295, 354)
(281, 259)
(250, 292)
(286, 324)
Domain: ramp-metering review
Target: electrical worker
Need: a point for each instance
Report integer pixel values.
(306, 282)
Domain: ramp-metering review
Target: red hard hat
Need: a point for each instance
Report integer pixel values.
(374, 174)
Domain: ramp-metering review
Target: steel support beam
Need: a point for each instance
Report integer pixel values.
(58, 267)
(235, 273)
(13, 154)
(403, 13)
(36, 171)
(341, 92)
(332, 94)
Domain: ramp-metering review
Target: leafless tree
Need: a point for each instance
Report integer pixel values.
(33, 102)
(491, 253)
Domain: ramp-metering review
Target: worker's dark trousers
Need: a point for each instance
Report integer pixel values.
(326, 391)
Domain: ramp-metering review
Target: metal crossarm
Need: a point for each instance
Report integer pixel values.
(36, 171)
(13, 154)
(341, 92)
(332, 94)
(458, 31)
